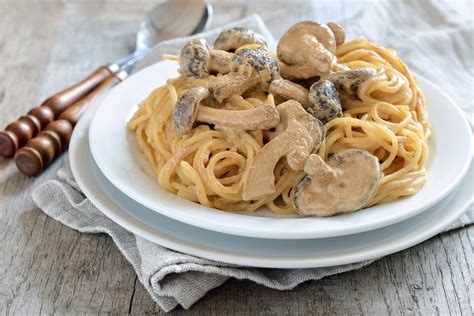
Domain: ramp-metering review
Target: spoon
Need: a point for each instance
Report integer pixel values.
(166, 20)
(169, 20)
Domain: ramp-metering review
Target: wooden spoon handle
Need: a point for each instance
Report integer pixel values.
(19, 132)
(41, 150)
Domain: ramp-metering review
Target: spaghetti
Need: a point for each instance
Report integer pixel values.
(208, 166)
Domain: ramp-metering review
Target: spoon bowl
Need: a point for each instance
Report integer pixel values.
(168, 20)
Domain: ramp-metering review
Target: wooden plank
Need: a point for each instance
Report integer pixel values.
(46, 267)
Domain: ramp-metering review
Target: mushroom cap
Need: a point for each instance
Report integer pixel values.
(233, 38)
(193, 58)
(264, 64)
(348, 82)
(346, 183)
(186, 108)
(338, 32)
(310, 43)
(325, 102)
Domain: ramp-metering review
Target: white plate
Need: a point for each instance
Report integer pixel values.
(258, 252)
(116, 152)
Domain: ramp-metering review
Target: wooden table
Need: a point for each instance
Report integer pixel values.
(46, 267)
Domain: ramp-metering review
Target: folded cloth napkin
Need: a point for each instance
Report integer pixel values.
(423, 35)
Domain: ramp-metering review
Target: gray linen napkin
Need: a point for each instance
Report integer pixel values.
(174, 278)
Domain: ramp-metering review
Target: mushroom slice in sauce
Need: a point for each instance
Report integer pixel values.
(231, 39)
(302, 135)
(219, 61)
(262, 117)
(346, 183)
(249, 68)
(297, 72)
(186, 108)
(348, 82)
(325, 102)
(288, 90)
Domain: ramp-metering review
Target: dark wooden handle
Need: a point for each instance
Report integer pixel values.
(62, 100)
(41, 150)
(19, 132)
(75, 111)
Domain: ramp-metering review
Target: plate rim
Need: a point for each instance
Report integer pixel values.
(251, 260)
(223, 221)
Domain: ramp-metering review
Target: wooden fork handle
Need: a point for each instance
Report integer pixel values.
(41, 150)
(62, 100)
(19, 132)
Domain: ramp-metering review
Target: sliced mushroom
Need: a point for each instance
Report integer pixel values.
(346, 183)
(249, 68)
(219, 61)
(197, 59)
(325, 102)
(288, 90)
(308, 43)
(303, 135)
(186, 109)
(348, 82)
(338, 32)
(263, 117)
(233, 83)
(231, 39)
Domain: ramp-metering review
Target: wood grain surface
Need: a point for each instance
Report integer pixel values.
(47, 268)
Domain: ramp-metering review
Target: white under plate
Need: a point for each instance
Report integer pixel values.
(116, 152)
(257, 252)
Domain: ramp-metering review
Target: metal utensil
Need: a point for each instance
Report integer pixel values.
(166, 20)
(40, 151)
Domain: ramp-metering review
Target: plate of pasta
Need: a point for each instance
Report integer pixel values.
(322, 137)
